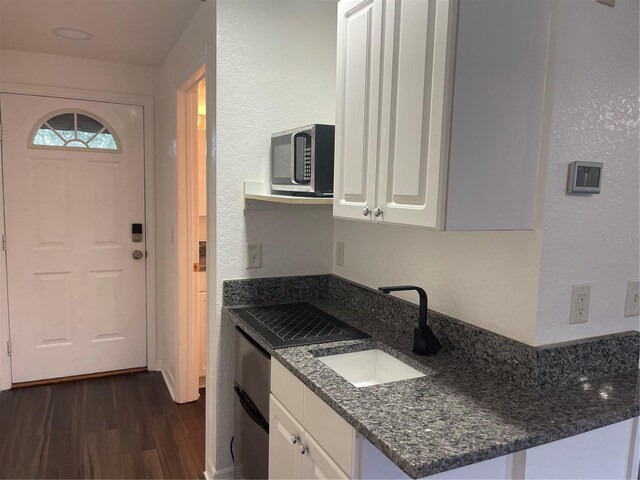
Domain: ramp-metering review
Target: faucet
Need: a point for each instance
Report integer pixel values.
(424, 340)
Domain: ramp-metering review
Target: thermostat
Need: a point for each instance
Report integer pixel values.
(584, 177)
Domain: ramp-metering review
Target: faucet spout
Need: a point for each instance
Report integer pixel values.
(424, 340)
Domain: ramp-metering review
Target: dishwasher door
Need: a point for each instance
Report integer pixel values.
(251, 387)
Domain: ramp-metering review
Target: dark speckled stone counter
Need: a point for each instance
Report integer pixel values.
(459, 413)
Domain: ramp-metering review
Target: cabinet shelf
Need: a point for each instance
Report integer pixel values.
(260, 192)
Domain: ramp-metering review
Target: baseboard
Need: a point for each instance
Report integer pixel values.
(168, 380)
(221, 474)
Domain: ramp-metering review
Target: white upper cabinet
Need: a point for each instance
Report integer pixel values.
(416, 89)
(358, 93)
(417, 145)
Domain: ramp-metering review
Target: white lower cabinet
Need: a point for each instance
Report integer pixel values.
(285, 459)
(317, 463)
(607, 452)
(307, 439)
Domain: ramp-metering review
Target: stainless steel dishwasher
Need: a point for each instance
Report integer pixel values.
(250, 445)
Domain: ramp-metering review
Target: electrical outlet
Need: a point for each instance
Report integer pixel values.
(632, 304)
(340, 254)
(580, 296)
(254, 255)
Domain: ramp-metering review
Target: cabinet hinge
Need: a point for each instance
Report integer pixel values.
(196, 267)
(9, 347)
(4, 242)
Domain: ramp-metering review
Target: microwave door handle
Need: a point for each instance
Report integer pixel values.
(293, 158)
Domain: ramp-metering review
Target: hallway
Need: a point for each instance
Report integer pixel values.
(117, 427)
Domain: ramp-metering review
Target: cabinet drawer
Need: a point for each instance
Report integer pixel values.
(287, 389)
(330, 430)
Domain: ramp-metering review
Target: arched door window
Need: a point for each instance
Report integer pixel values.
(74, 129)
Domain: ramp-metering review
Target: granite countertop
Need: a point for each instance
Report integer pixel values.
(456, 414)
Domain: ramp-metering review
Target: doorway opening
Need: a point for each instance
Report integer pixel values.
(192, 236)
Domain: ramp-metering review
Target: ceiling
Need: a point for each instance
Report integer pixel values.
(140, 32)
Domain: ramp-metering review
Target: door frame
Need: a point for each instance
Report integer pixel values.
(188, 346)
(146, 102)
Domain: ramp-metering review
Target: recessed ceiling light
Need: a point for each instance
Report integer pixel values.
(72, 33)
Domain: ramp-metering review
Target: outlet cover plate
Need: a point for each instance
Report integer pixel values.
(254, 255)
(632, 303)
(580, 297)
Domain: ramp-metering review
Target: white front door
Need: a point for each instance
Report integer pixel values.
(77, 295)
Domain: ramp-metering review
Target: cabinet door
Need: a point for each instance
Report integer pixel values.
(416, 97)
(317, 464)
(285, 459)
(358, 94)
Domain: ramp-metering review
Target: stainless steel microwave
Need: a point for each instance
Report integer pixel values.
(302, 161)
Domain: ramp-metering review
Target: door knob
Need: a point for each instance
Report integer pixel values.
(137, 254)
(294, 438)
(377, 212)
(303, 449)
(366, 211)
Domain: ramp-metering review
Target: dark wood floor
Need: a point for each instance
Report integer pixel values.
(118, 427)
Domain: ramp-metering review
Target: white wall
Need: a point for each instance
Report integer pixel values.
(198, 39)
(70, 72)
(594, 118)
(43, 70)
(276, 70)
(487, 279)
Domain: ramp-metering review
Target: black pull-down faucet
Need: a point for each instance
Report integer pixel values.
(424, 340)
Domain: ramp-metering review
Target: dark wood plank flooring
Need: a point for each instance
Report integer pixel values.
(117, 427)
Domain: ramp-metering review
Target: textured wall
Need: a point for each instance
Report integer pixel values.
(71, 72)
(200, 35)
(488, 279)
(276, 70)
(594, 118)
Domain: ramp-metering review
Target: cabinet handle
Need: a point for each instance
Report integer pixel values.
(366, 211)
(303, 449)
(377, 212)
(294, 438)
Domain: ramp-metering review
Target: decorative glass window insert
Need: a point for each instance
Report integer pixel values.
(75, 129)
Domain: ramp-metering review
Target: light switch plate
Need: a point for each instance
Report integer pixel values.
(580, 297)
(340, 254)
(254, 255)
(632, 303)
